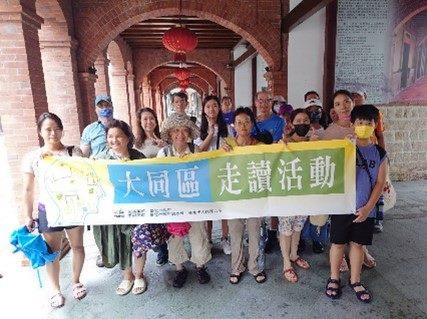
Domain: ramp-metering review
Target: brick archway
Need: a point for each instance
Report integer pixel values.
(158, 75)
(175, 85)
(102, 22)
(171, 83)
(214, 60)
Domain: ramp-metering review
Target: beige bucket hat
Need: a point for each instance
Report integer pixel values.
(178, 120)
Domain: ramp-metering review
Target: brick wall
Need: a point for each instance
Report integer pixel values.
(406, 140)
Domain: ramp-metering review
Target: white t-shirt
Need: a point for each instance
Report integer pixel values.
(216, 142)
(149, 149)
(31, 160)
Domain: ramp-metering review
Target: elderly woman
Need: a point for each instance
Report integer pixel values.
(51, 129)
(244, 123)
(178, 130)
(117, 243)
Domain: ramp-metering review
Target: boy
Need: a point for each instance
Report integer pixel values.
(357, 229)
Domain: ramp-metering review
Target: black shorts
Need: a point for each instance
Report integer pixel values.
(42, 222)
(343, 230)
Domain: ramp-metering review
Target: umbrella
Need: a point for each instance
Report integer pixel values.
(34, 248)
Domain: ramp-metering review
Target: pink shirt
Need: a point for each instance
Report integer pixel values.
(334, 132)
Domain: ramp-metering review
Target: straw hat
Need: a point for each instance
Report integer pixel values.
(178, 120)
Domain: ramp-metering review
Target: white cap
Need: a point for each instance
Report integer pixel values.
(312, 102)
(279, 98)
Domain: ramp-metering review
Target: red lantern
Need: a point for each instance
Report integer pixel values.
(182, 74)
(180, 40)
(184, 84)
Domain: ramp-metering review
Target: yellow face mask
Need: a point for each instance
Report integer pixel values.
(364, 131)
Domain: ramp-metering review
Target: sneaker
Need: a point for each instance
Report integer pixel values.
(162, 255)
(318, 247)
(180, 278)
(226, 246)
(99, 261)
(378, 227)
(202, 275)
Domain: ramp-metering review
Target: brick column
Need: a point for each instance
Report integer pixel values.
(280, 86)
(119, 95)
(102, 84)
(62, 89)
(132, 103)
(22, 88)
(146, 94)
(87, 91)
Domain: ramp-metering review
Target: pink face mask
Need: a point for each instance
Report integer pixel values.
(344, 117)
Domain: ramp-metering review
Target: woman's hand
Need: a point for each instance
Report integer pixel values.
(211, 127)
(45, 154)
(313, 135)
(159, 142)
(227, 147)
(30, 224)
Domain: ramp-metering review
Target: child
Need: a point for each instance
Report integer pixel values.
(290, 227)
(357, 229)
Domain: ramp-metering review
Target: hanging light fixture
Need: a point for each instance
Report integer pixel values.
(180, 40)
(183, 84)
(182, 74)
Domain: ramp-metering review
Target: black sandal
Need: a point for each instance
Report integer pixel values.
(360, 293)
(260, 274)
(237, 277)
(338, 290)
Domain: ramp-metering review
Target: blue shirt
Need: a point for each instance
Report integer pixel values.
(95, 136)
(374, 156)
(228, 117)
(274, 124)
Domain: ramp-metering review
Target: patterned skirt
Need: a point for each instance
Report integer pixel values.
(148, 236)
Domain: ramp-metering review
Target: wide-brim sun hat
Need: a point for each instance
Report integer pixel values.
(178, 120)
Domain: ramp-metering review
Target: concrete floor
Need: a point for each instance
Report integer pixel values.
(399, 283)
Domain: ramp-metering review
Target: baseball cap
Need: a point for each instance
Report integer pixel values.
(312, 102)
(102, 97)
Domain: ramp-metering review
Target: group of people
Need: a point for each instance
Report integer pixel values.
(222, 127)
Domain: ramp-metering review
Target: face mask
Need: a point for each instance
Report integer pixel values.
(344, 117)
(364, 131)
(302, 129)
(107, 112)
(315, 116)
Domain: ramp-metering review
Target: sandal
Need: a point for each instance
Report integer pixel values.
(302, 263)
(335, 292)
(57, 301)
(139, 286)
(125, 287)
(260, 277)
(344, 265)
(79, 291)
(361, 293)
(368, 261)
(235, 279)
(290, 275)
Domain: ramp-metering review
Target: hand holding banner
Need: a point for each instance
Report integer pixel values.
(264, 180)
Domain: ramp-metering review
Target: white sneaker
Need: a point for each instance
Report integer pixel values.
(225, 245)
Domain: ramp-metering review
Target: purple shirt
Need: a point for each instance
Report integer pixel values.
(374, 156)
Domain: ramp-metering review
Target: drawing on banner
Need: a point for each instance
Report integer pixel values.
(75, 189)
